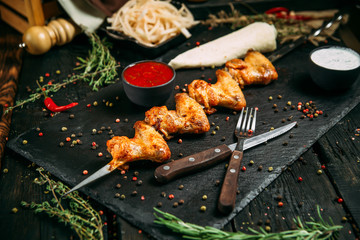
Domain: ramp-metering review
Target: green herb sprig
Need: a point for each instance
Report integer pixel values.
(287, 29)
(99, 59)
(73, 210)
(100, 68)
(308, 230)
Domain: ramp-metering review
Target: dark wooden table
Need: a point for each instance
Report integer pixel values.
(338, 150)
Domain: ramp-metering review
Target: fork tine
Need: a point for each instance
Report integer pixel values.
(249, 120)
(238, 124)
(245, 119)
(254, 121)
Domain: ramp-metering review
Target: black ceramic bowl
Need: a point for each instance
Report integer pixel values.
(142, 93)
(333, 67)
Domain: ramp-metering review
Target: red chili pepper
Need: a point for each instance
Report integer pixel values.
(284, 13)
(51, 105)
(277, 10)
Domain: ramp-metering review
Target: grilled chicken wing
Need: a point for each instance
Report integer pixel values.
(189, 117)
(254, 69)
(225, 92)
(147, 144)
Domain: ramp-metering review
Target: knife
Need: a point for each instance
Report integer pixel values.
(209, 157)
(191, 163)
(288, 48)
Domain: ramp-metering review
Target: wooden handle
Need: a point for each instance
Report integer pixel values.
(39, 39)
(228, 190)
(192, 163)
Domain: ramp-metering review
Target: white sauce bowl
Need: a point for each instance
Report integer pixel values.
(333, 67)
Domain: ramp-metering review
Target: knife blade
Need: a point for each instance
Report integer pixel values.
(209, 157)
(288, 48)
(105, 170)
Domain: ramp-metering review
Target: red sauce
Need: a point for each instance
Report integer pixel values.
(148, 74)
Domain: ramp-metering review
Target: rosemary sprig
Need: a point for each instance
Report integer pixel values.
(79, 214)
(308, 230)
(100, 68)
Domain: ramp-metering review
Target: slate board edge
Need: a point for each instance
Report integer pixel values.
(12, 144)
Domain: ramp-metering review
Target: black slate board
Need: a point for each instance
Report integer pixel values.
(294, 84)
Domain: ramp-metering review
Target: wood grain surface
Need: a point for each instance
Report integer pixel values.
(338, 151)
(10, 64)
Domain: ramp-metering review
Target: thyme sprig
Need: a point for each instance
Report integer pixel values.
(76, 212)
(287, 29)
(99, 59)
(100, 68)
(308, 230)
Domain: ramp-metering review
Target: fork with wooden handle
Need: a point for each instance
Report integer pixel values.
(245, 128)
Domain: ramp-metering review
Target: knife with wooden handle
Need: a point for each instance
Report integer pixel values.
(202, 160)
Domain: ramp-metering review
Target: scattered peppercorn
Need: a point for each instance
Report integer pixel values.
(122, 197)
(171, 196)
(176, 204)
(270, 98)
(85, 172)
(5, 170)
(163, 194)
(319, 172)
(139, 183)
(279, 97)
(63, 129)
(24, 142)
(270, 169)
(61, 144)
(300, 179)
(159, 204)
(217, 182)
(14, 210)
(134, 193)
(260, 168)
(118, 185)
(204, 197)
(203, 208)
(251, 162)
(181, 187)
(117, 195)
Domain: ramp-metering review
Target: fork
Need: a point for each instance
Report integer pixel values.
(245, 128)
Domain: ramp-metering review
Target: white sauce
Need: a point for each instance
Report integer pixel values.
(336, 58)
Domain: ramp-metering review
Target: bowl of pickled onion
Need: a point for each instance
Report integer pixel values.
(148, 83)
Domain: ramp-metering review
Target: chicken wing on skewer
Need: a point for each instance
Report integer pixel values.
(189, 117)
(225, 92)
(147, 144)
(254, 69)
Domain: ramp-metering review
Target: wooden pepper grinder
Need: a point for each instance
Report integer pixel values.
(39, 39)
